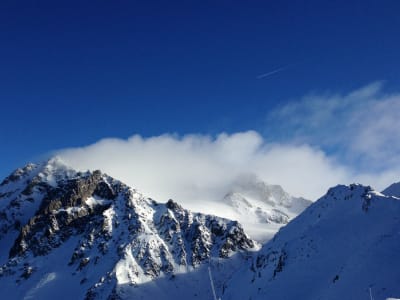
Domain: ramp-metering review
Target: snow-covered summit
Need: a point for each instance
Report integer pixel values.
(261, 207)
(49, 171)
(93, 237)
(341, 246)
(392, 190)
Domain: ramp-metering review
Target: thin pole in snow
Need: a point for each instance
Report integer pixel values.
(212, 283)
(370, 294)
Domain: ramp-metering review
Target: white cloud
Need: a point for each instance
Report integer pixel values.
(318, 142)
(197, 167)
(361, 127)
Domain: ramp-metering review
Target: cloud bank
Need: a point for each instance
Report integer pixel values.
(197, 167)
(313, 144)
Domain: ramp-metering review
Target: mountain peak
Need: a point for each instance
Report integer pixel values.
(51, 169)
(261, 207)
(18, 173)
(94, 234)
(392, 190)
(339, 247)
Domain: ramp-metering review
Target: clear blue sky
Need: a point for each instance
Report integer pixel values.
(73, 72)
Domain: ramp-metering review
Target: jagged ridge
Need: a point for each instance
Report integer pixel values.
(132, 239)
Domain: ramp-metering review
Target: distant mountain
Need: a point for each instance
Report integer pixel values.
(343, 245)
(84, 235)
(392, 190)
(262, 208)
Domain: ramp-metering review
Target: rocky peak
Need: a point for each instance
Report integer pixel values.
(112, 228)
(63, 210)
(18, 173)
(258, 202)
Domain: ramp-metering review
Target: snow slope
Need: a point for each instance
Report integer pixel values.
(341, 246)
(392, 190)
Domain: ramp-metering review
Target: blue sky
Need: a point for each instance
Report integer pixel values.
(75, 72)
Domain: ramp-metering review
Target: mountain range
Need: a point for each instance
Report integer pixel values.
(85, 235)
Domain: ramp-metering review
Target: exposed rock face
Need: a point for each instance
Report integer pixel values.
(108, 227)
(63, 212)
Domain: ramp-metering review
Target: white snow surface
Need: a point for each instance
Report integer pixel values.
(341, 246)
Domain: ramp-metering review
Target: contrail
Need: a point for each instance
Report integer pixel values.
(272, 72)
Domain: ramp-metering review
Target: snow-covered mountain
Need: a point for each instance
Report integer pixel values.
(85, 235)
(346, 245)
(262, 208)
(392, 190)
